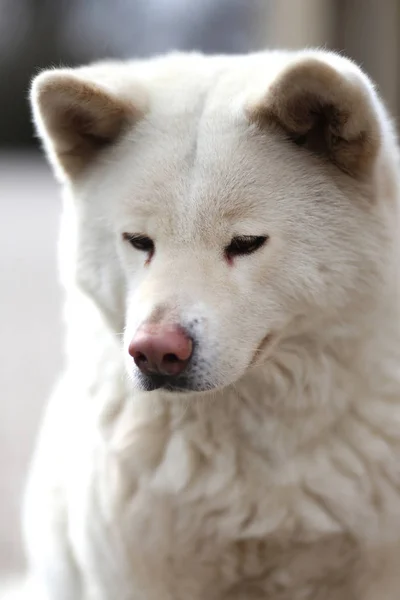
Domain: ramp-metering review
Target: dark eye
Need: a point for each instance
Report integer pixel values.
(245, 244)
(140, 242)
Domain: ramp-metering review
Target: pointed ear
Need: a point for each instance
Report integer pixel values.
(328, 105)
(77, 118)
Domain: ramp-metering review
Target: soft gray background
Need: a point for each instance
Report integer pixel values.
(30, 349)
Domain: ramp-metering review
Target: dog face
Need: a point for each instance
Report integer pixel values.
(217, 213)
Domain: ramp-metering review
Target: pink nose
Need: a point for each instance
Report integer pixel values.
(161, 349)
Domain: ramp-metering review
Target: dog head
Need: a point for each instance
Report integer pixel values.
(220, 203)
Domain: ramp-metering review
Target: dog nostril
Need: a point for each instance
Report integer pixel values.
(171, 358)
(141, 359)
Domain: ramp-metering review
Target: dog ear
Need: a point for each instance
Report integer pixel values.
(327, 105)
(76, 118)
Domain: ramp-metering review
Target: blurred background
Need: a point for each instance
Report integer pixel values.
(39, 33)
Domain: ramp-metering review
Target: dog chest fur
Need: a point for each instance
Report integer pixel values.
(238, 499)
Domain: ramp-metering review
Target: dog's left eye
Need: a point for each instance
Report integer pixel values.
(139, 242)
(245, 244)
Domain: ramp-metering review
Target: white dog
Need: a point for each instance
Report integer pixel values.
(228, 425)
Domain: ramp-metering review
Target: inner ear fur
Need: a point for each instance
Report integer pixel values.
(76, 118)
(328, 111)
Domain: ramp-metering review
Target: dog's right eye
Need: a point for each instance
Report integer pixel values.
(244, 244)
(139, 242)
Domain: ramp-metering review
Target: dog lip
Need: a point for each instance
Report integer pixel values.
(160, 382)
(266, 342)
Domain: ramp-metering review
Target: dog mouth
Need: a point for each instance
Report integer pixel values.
(263, 349)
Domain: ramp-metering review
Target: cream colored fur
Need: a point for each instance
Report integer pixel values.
(278, 477)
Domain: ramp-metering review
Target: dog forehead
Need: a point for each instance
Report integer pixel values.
(210, 170)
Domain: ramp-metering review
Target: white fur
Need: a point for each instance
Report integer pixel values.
(283, 481)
